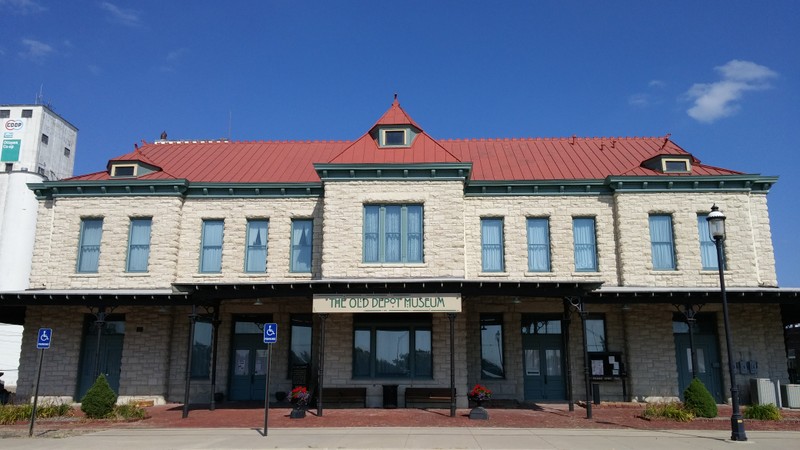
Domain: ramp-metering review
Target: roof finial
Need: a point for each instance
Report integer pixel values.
(395, 95)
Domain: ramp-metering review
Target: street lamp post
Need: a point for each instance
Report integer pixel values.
(716, 227)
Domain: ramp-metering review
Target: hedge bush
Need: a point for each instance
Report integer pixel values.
(698, 401)
(99, 401)
(762, 412)
(673, 411)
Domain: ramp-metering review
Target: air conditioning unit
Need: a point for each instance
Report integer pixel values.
(791, 395)
(762, 391)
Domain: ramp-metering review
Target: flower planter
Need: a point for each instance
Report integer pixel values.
(479, 413)
(298, 413)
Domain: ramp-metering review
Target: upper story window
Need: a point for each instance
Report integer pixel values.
(127, 170)
(45, 139)
(675, 164)
(5, 113)
(139, 244)
(89, 245)
(255, 260)
(27, 113)
(538, 244)
(211, 246)
(661, 242)
(67, 152)
(302, 240)
(492, 245)
(585, 241)
(395, 137)
(393, 233)
(708, 249)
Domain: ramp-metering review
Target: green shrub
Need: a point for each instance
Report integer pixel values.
(53, 410)
(762, 412)
(98, 403)
(698, 401)
(672, 411)
(130, 411)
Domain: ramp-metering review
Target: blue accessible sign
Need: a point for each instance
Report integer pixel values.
(270, 333)
(44, 337)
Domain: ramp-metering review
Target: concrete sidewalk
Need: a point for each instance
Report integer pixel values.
(418, 438)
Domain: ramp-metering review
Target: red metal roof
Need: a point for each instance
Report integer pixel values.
(569, 158)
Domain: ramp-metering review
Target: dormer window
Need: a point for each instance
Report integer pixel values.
(395, 137)
(127, 170)
(675, 165)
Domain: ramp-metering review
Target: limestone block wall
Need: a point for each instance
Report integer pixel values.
(748, 245)
(58, 234)
(652, 368)
(560, 210)
(235, 213)
(443, 228)
(61, 361)
(146, 353)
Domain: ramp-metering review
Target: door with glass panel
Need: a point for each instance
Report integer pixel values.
(542, 359)
(707, 350)
(248, 359)
(105, 357)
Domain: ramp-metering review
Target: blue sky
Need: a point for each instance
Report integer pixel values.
(721, 76)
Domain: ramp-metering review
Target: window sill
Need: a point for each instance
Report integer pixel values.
(135, 274)
(667, 273)
(587, 274)
(494, 274)
(307, 275)
(85, 275)
(421, 265)
(539, 274)
(254, 274)
(207, 275)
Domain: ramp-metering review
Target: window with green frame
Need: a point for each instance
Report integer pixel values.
(392, 346)
(201, 350)
(492, 366)
(393, 234)
(300, 335)
(89, 245)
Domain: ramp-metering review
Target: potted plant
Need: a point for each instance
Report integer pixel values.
(479, 394)
(299, 398)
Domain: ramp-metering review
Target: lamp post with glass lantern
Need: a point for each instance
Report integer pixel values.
(716, 227)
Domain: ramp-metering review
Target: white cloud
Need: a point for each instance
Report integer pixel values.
(719, 99)
(656, 84)
(22, 7)
(35, 50)
(172, 60)
(639, 100)
(127, 17)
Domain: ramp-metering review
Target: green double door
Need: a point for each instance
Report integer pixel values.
(708, 363)
(107, 359)
(248, 369)
(543, 360)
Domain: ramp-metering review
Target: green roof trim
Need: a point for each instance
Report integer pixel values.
(394, 172)
(543, 187)
(707, 183)
(129, 187)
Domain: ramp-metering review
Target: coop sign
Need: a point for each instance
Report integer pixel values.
(332, 303)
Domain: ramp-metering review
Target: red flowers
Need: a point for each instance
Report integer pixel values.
(480, 393)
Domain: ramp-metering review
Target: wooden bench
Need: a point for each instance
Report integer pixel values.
(423, 395)
(345, 397)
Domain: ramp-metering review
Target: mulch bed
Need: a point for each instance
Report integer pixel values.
(621, 415)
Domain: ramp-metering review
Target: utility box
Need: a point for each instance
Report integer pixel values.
(791, 395)
(762, 391)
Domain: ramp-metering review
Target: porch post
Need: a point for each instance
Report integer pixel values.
(321, 368)
(586, 367)
(100, 321)
(192, 321)
(215, 322)
(689, 312)
(452, 317)
(565, 342)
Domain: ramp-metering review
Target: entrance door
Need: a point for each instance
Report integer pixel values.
(110, 354)
(543, 360)
(708, 362)
(248, 359)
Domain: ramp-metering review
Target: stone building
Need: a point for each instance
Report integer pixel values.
(544, 269)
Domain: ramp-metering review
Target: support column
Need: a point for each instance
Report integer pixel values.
(452, 318)
(192, 321)
(100, 322)
(321, 368)
(215, 322)
(566, 320)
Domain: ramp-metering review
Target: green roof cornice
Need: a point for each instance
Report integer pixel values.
(109, 188)
(181, 187)
(706, 183)
(394, 172)
(541, 187)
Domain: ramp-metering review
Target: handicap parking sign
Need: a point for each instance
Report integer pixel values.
(44, 337)
(270, 333)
